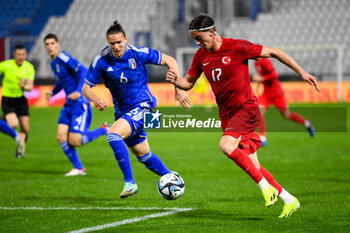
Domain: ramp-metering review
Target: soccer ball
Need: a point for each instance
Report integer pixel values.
(171, 186)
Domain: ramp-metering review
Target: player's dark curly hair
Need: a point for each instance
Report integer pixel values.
(115, 28)
(201, 22)
(51, 36)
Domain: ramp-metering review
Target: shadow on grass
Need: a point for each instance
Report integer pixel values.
(217, 215)
(75, 200)
(37, 171)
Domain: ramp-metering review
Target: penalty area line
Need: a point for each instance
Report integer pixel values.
(131, 220)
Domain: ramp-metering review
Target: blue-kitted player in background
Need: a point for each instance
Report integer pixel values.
(123, 68)
(75, 118)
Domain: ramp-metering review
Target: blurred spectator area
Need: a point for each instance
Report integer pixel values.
(163, 24)
(296, 23)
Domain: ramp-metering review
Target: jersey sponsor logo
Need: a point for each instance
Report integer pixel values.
(204, 64)
(226, 60)
(132, 63)
(110, 69)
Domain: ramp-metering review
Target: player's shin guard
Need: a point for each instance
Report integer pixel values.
(243, 160)
(121, 154)
(5, 128)
(270, 179)
(91, 135)
(153, 163)
(72, 155)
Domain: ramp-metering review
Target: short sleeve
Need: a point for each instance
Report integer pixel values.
(31, 72)
(73, 64)
(148, 55)
(94, 73)
(247, 50)
(196, 69)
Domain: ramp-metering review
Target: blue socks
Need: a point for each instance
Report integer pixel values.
(87, 137)
(5, 128)
(121, 154)
(153, 163)
(72, 154)
(91, 135)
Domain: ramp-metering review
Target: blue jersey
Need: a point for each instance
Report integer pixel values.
(69, 74)
(126, 78)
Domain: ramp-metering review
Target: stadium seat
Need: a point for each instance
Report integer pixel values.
(302, 22)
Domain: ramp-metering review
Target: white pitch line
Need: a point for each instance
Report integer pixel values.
(168, 211)
(87, 208)
(131, 220)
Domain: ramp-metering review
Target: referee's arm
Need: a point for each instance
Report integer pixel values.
(26, 84)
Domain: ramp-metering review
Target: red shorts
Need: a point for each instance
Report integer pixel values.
(242, 126)
(279, 101)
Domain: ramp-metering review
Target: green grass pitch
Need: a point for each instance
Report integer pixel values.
(222, 196)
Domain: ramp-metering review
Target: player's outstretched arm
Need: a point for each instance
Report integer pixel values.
(186, 83)
(291, 63)
(182, 98)
(180, 95)
(100, 104)
(170, 62)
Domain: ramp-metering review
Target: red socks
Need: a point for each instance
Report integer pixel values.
(243, 160)
(296, 118)
(270, 179)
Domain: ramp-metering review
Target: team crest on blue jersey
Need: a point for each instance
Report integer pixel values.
(151, 120)
(132, 63)
(57, 68)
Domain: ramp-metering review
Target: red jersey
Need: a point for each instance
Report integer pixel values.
(227, 72)
(272, 86)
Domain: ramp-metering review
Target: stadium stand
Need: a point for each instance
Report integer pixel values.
(16, 10)
(81, 25)
(23, 20)
(301, 22)
(82, 29)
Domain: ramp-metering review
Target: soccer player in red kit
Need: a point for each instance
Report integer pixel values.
(274, 94)
(225, 64)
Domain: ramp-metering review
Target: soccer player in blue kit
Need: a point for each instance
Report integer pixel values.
(75, 117)
(123, 69)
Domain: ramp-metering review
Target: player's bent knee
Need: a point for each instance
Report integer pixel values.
(74, 140)
(61, 138)
(13, 124)
(228, 144)
(286, 114)
(227, 148)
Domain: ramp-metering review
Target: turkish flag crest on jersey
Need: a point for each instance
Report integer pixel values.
(226, 60)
